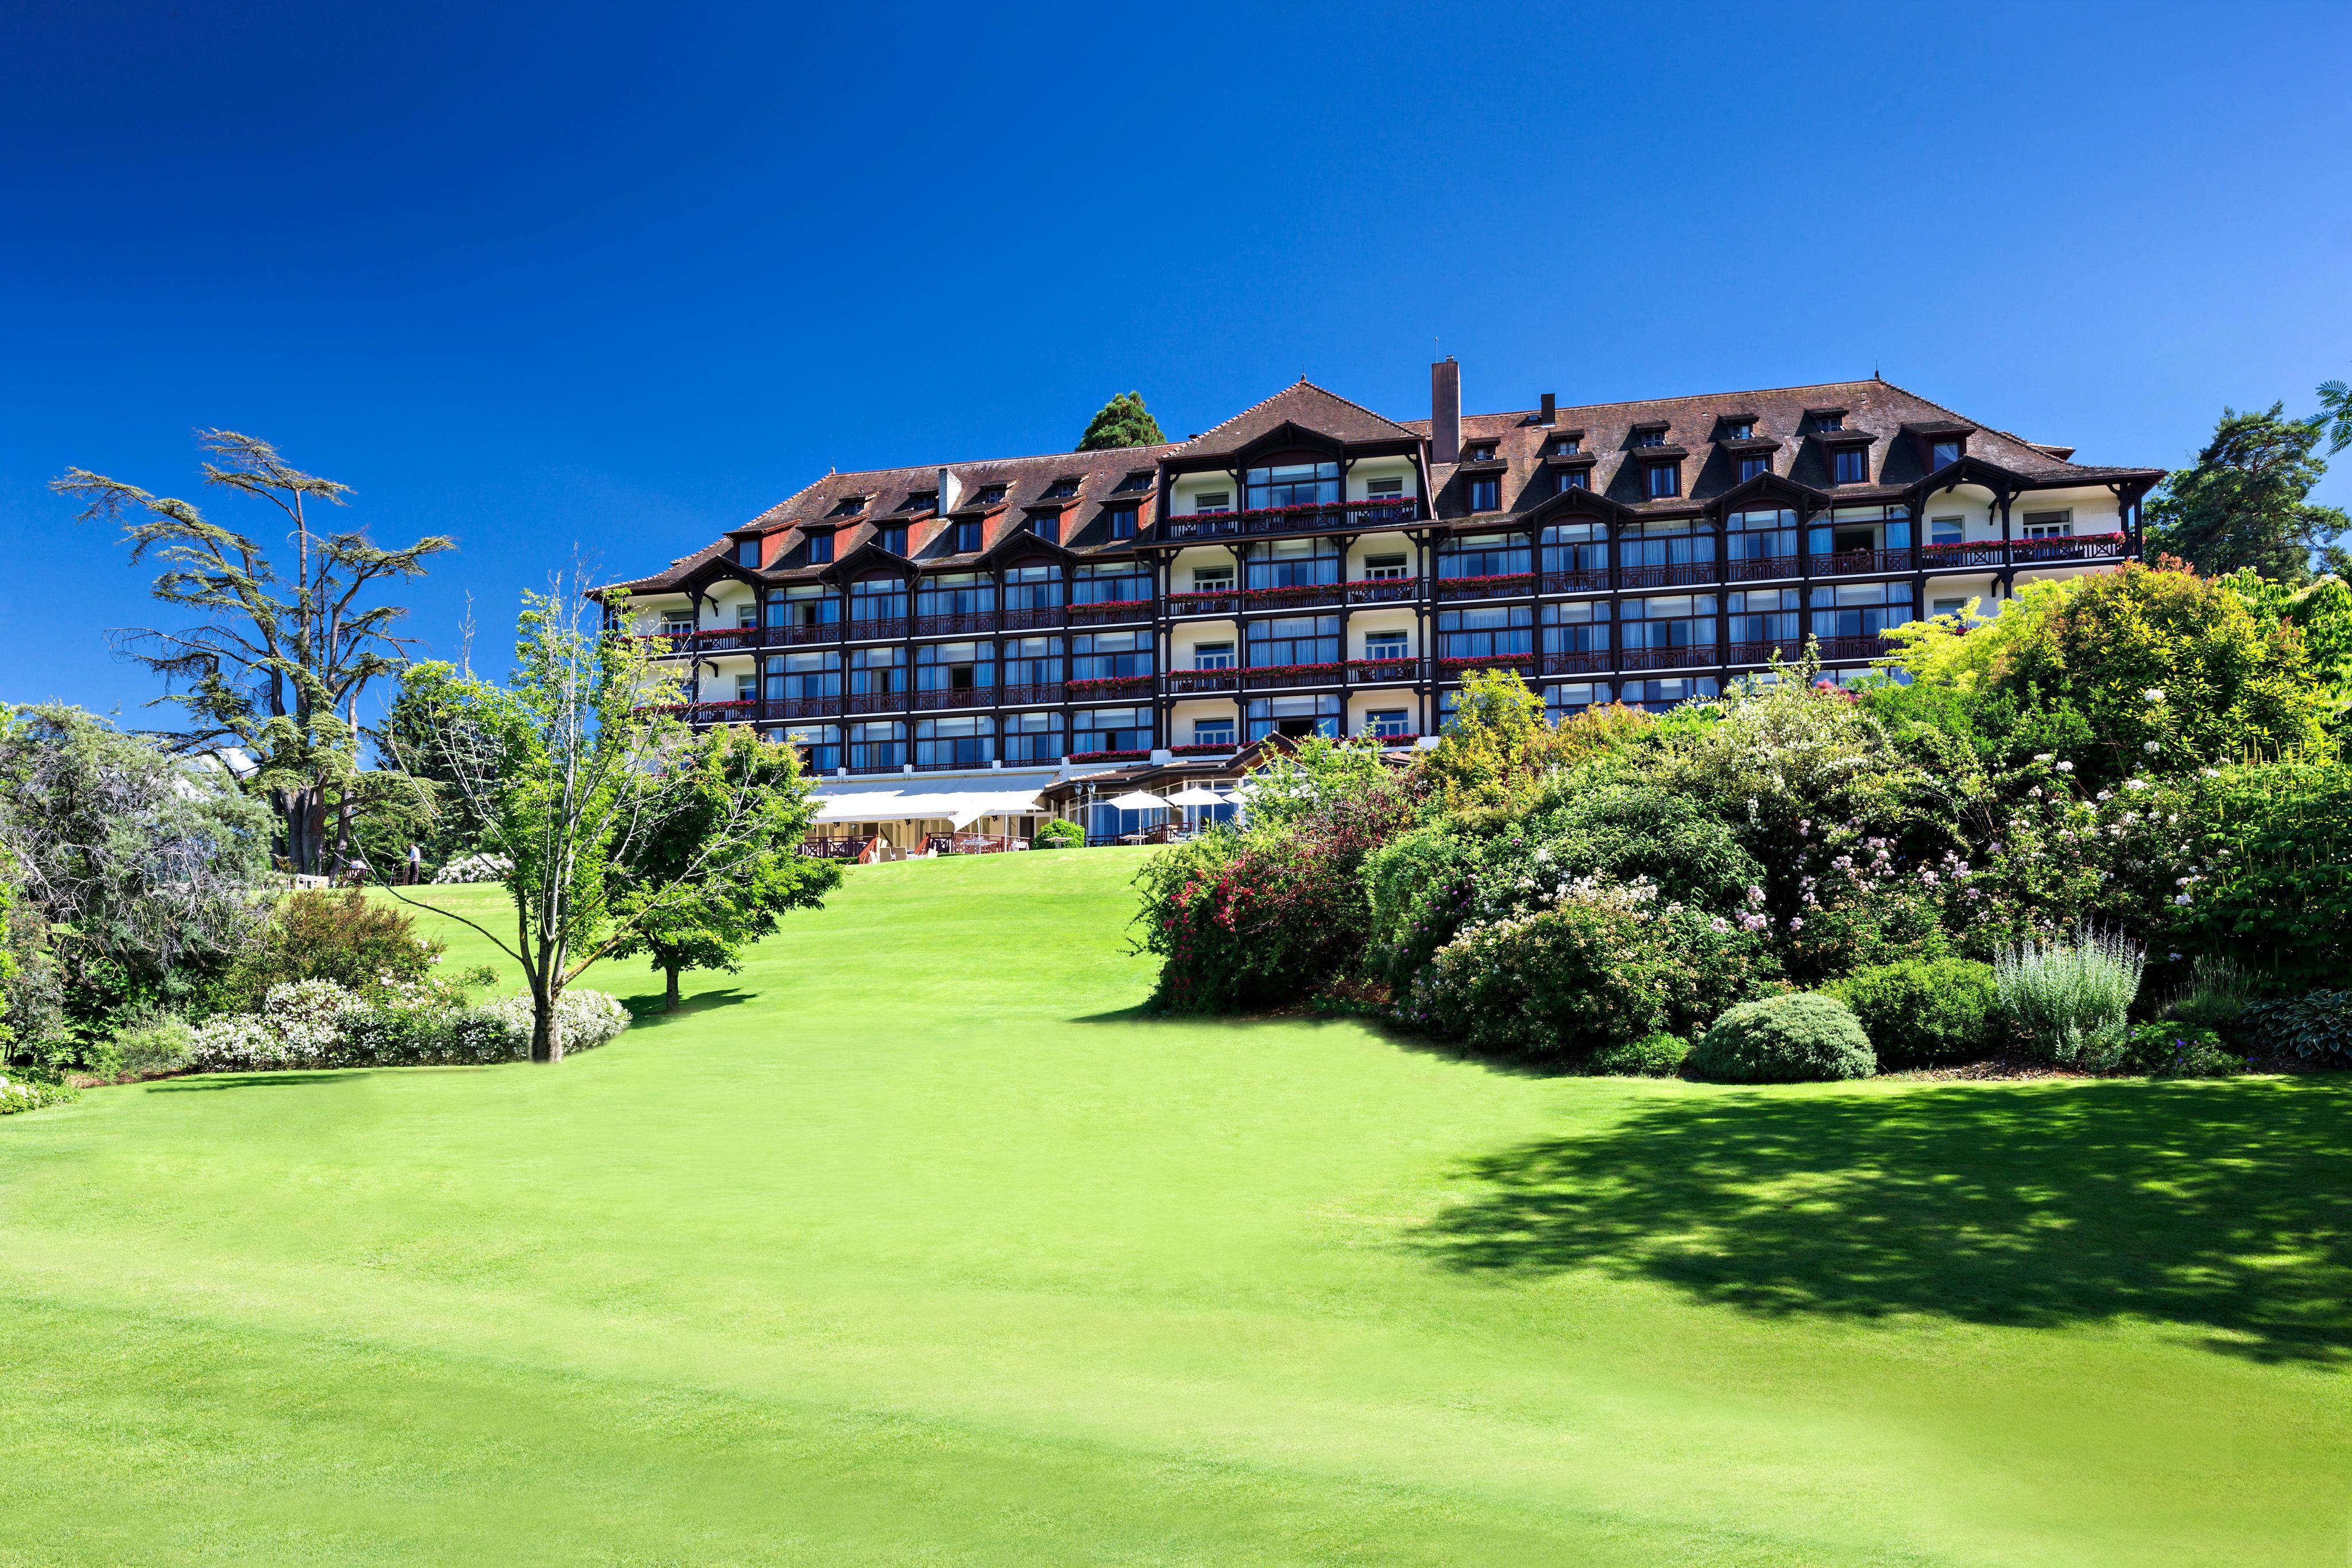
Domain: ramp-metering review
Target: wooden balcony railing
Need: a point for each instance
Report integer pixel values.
(1289, 677)
(961, 623)
(1110, 612)
(1291, 520)
(1040, 619)
(1763, 568)
(969, 697)
(799, 707)
(2083, 546)
(1583, 662)
(1030, 692)
(1860, 562)
(1578, 579)
(1198, 683)
(1947, 557)
(1503, 585)
(877, 702)
(797, 636)
(879, 628)
(1764, 652)
(1096, 689)
(1868, 646)
(1694, 656)
(728, 638)
(1384, 590)
(1204, 603)
(1382, 672)
(1300, 596)
(1675, 574)
(1453, 668)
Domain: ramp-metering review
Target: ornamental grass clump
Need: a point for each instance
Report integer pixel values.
(2070, 996)
(1802, 1037)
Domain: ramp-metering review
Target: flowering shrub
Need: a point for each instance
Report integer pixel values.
(2171, 1049)
(476, 868)
(29, 1094)
(318, 1023)
(1800, 1038)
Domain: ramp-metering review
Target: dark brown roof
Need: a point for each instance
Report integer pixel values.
(1305, 405)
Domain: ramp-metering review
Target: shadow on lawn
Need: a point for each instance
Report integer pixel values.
(647, 1011)
(2225, 1208)
(213, 1083)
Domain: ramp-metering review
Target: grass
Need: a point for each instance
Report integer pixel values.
(915, 1243)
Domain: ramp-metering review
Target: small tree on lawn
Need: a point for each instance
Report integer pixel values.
(1121, 422)
(703, 924)
(279, 656)
(571, 768)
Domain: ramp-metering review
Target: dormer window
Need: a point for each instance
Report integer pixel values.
(1739, 430)
(1665, 479)
(1045, 525)
(747, 553)
(989, 496)
(1943, 453)
(848, 507)
(921, 501)
(1123, 522)
(1479, 451)
(967, 538)
(1486, 495)
(1061, 489)
(1650, 435)
(1139, 480)
(1566, 447)
(1851, 465)
(1754, 466)
(820, 547)
(892, 536)
(1829, 422)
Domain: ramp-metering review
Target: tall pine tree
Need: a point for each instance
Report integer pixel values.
(1121, 422)
(2246, 501)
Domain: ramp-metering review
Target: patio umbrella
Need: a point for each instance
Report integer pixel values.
(1199, 795)
(1136, 800)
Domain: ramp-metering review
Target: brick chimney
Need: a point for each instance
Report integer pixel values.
(1445, 412)
(1550, 414)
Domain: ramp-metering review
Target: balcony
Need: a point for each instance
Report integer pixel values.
(857, 768)
(1384, 590)
(1382, 672)
(1204, 603)
(799, 707)
(1204, 748)
(1578, 579)
(877, 702)
(1960, 557)
(1693, 656)
(1041, 619)
(1861, 562)
(1675, 574)
(742, 710)
(1581, 662)
(1299, 596)
(1110, 612)
(1289, 677)
(1869, 646)
(1029, 693)
(879, 628)
(1105, 687)
(1763, 568)
(1506, 585)
(2084, 547)
(728, 638)
(1202, 683)
(1304, 520)
(949, 697)
(1453, 669)
(1782, 648)
(667, 644)
(963, 624)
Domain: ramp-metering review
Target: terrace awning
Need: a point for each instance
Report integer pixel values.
(957, 808)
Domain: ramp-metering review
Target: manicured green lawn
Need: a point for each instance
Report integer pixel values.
(915, 1244)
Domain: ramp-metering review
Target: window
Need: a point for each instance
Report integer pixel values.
(1486, 495)
(1859, 529)
(804, 604)
(2049, 525)
(848, 507)
(1294, 639)
(955, 593)
(1739, 430)
(1109, 655)
(967, 740)
(1113, 730)
(1954, 607)
(1296, 563)
(1388, 723)
(955, 667)
(677, 622)
(1568, 446)
(921, 501)
(1293, 484)
(1579, 628)
(1766, 620)
(989, 496)
(820, 548)
(804, 677)
(1578, 548)
(1829, 419)
(1123, 522)
(1214, 501)
(892, 536)
(1294, 716)
(1033, 587)
(1139, 480)
(1061, 489)
(876, 600)
(1657, 696)
(967, 538)
(1665, 479)
(1576, 479)
(1650, 435)
(1753, 466)
(1482, 555)
(1031, 738)
(747, 553)
(1668, 541)
(1767, 536)
(1679, 620)
(1212, 732)
(1942, 454)
(1386, 568)
(1046, 526)
(1388, 645)
(1486, 631)
(1860, 608)
(1112, 583)
(1573, 698)
(1479, 451)
(877, 671)
(1851, 465)
(1213, 580)
(818, 744)
(1945, 530)
(1212, 656)
(1391, 489)
(1033, 661)
(877, 748)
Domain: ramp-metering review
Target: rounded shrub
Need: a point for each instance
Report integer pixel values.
(1923, 1012)
(1801, 1037)
(1655, 1055)
(1059, 834)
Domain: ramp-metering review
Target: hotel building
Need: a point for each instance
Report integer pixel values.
(1312, 567)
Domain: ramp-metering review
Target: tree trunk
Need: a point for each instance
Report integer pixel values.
(670, 1004)
(546, 1039)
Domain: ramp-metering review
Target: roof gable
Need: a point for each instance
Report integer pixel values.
(1303, 404)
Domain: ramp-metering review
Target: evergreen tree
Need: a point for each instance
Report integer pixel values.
(2245, 502)
(1121, 422)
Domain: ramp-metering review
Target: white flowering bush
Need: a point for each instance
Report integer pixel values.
(318, 1023)
(24, 1094)
(476, 868)
(2070, 996)
(583, 1019)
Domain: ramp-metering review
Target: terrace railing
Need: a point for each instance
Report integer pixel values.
(1311, 518)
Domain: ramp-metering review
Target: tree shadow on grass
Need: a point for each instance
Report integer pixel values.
(2225, 1209)
(647, 1011)
(212, 1083)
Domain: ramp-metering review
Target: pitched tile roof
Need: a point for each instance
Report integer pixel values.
(1304, 404)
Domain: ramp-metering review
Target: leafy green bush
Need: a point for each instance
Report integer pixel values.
(1059, 834)
(1627, 830)
(2316, 1027)
(1419, 885)
(30, 1094)
(2217, 996)
(1655, 1055)
(154, 1043)
(1801, 1037)
(2069, 996)
(347, 937)
(2171, 1050)
(1922, 1013)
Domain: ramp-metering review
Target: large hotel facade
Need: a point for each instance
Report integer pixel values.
(1309, 566)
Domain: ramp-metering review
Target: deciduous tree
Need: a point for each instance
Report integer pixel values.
(1121, 422)
(2246, 501)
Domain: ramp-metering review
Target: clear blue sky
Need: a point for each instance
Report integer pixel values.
(565, 280)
